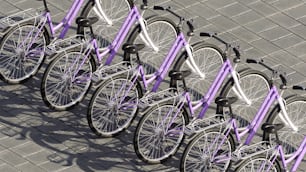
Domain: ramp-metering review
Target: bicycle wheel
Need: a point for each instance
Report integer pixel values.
(163, 33)
(211, 150)
(160, 132)
(296, 110)
(116, 11)
(22, 52)
(113, 106)
(209, 59)
(255, 86)
(67, 79)
(259, 163)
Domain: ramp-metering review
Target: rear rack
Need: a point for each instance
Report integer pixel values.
(247, 151)
(18, 18)
(105, 72)
(61, 45)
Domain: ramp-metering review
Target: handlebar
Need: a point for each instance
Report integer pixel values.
(145, 2)
(261, 62)
(214, 35)
(298, 87)
(189, 22)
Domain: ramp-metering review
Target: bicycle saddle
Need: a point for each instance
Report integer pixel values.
(225, 101)
(179, 75)
(86, 22)
(272, 128)
(132, 48)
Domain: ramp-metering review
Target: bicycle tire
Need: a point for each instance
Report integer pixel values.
(57, 78)
(27, 67)
(141, 151)
(245, 113)
(290, 139)
(243, 164)
(162, 38)
(104, 33)
(99, 102)
(200, 157)
(212, 58)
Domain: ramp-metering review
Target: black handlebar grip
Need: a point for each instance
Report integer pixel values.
(297, 87)
(158, 8)
(236, 51)
(251, 61)
(205, 34)
(145, 2)
(191, 27)
(284, 80)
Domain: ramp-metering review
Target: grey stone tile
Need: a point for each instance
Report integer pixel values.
(298, 50)
(27, 149)
(29, 167)
(219, 4)
(265, 46)
(13, 141)
(284, 20)
(8, 8)
(299, 30)
(233, 9)
(300, 67)
(274, 33)
(244, 34)
(297, 12)
(204, 11)
(260, 25)
(223, 22)
(285, 4)
(72, 169)
(288, 41)
(11, 158)
(246, 17)
(263, 8)
(40, 157)
(284, 57)
(8, 168)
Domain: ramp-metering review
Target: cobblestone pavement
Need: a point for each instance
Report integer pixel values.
(34, 138)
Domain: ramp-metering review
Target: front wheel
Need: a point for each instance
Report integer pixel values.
(296, 110)
(255, 85)
(258, 163)
(159, 133)
(211, 150)
(113, 106)
(67, 79)
(22, 52)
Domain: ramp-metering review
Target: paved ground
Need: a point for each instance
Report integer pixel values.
(34, 138)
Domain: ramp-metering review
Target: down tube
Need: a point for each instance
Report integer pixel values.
(225, 69)
(178, 44)
(129, 21)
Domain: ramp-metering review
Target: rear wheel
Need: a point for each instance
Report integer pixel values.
(22, 52)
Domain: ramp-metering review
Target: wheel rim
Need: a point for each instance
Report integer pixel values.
(290, 139)
(256, 89)
(64, 87)
(156, 141)
(163, 35)
(116, 11)
(114, 107)
(202, 155)
(258, 164)
(209, 61)
(19, 60)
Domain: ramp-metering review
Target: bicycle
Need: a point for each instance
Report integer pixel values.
(68, 78)
(258, 157)
(114, 104)
(162, 128)
(212, 148)
(27, 34)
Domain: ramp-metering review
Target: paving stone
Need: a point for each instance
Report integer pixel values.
(298, 50)
(265, 46)
(284, 20)
(223, 22)
(274, 33)
(29, 167)
(246, 17)
(285, 57)
(204, 11)
(244, 34)
(285, 4)
(288, 41)
(219, 4)
(233, 9)
(27, 149)
(260, 25)
(263, 8)
(8, 168)
(11, 158)
(297, 12)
